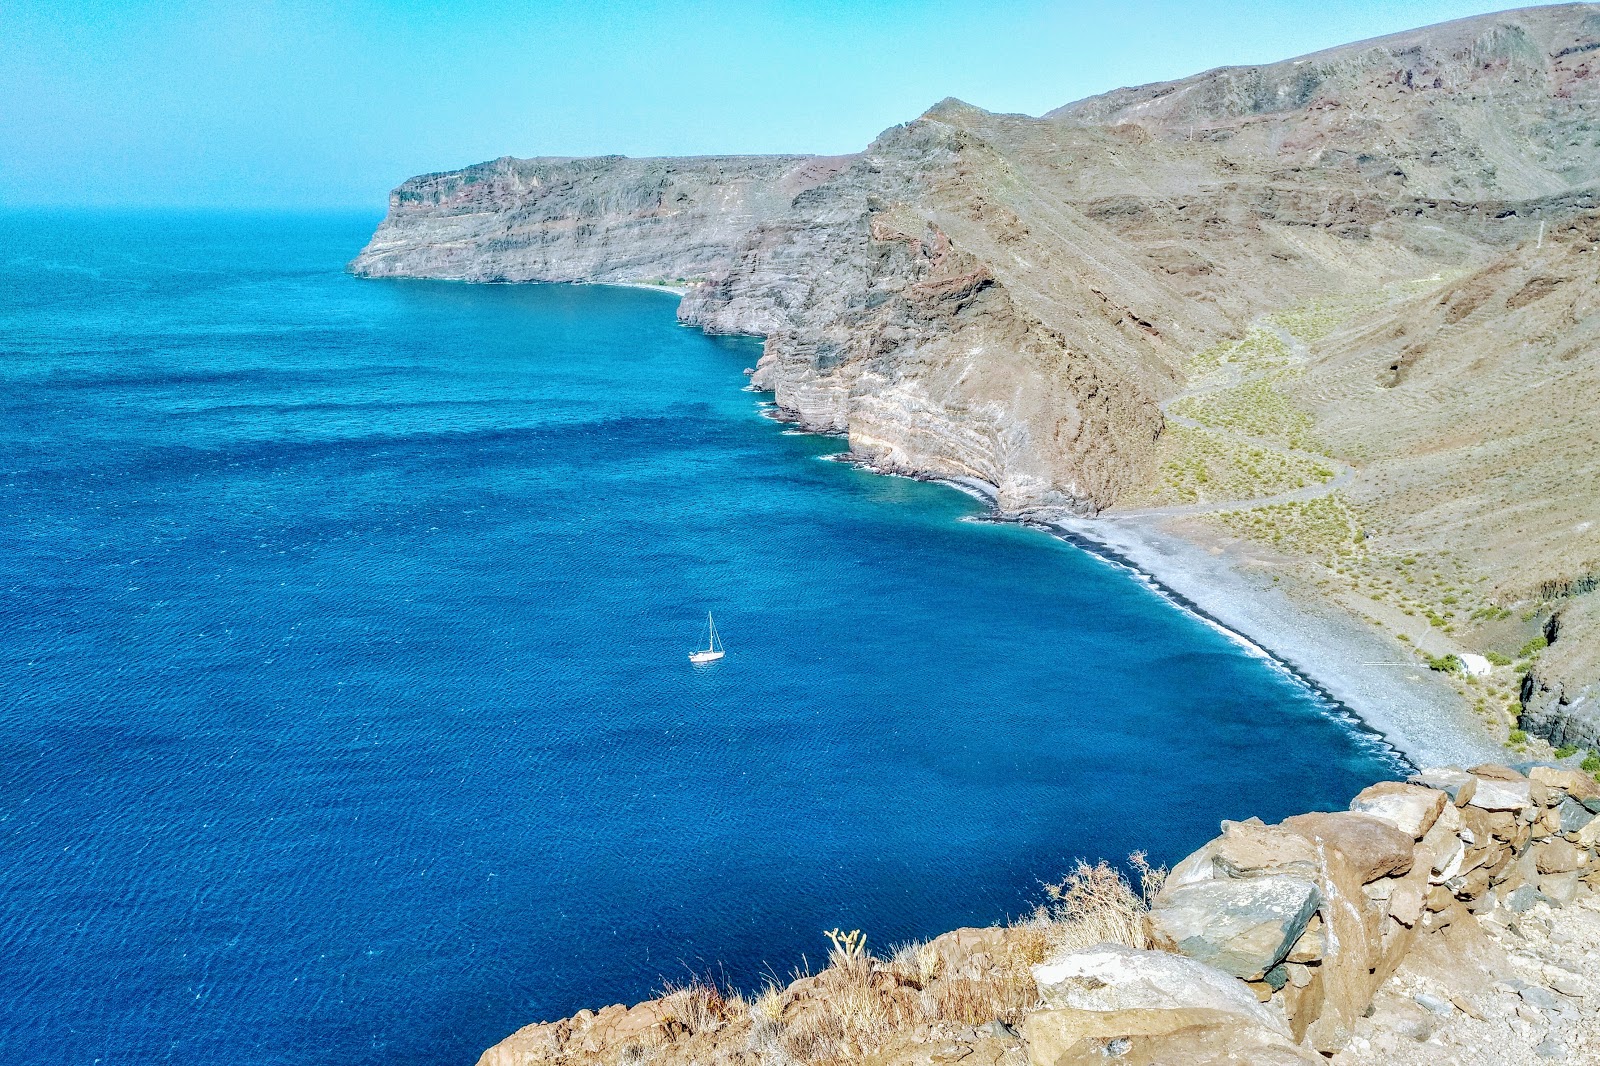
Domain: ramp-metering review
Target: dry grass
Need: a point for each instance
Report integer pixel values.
(1098, 905)
(861, 1004)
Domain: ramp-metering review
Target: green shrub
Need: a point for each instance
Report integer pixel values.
(1533, 647)
(1449, 664)
(1497, 659)
(1591, 763)
(1517, 737)
(1566, 751)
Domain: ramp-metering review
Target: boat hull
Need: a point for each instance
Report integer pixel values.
(704, 656)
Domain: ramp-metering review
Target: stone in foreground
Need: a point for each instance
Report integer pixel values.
(1244, 927)
(1112, 977)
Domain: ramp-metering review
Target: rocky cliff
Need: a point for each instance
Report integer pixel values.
(1375, 259)
(1340, 308)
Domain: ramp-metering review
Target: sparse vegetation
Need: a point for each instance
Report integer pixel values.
(1098, 904)
(1203, 467)
(1256, 408)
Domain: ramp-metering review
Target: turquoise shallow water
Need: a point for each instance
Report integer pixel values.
(344, 708)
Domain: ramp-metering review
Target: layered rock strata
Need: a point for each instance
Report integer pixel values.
(1018, 300)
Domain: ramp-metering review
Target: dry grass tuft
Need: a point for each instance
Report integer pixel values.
(699, 1006)
(1097, 905)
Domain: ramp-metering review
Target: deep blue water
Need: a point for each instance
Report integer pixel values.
(344, 709)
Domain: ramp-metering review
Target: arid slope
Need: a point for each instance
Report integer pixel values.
(1338, 306)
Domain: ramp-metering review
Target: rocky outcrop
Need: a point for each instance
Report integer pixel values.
(604, 219)
(1009, 299)
(1561, 693)
(1267, 945)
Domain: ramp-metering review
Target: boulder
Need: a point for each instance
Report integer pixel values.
(1405, 904)
(1457, 784)
(1556, 856)
(1574, 815)
(1523, 899)
(1251, 849)
(1112, 977)
(1561, 888)
(1410, 808)
(1498, 794)
(1373, 847)
(1199, 865)
(1576, 784)
(1242, 927)
(1354, 962)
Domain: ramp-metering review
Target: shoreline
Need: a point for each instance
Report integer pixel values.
(1369, 675)
(679, 291)
(1368, 678)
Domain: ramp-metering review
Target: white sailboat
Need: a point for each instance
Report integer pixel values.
(713, 650)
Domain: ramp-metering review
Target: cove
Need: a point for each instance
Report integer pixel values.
(344, 704)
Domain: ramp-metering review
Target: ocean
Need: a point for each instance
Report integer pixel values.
(345, 713)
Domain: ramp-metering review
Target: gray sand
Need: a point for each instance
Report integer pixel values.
(1421, 715)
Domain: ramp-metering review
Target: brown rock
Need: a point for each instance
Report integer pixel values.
(1470, 885)
(1502, 824)
(1410, 808)
(1405, 904)
(1495, 772)
(1373, 848)
(1579, 786)
(1312, 945)
(1479, 823)
(1251, 849)
(1557, 857)
(1439, 898)
(1147, 1038)
(1353, 957)
(1561, 888)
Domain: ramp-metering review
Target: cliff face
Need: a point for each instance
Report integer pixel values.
(1401, 230)
(606, 219)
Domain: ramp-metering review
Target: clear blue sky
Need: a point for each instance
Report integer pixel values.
(295, 103)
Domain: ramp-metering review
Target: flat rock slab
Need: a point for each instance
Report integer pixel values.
(1242, 927)
(1250, 849)
(1494, 794)
(1457, 784)
(1112, 977)
(1410, 808)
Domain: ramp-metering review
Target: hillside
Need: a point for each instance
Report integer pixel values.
(1337, 310)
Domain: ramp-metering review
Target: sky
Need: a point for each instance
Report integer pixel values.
(302, 104)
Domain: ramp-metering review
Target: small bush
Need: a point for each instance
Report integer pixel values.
(1497, 659)
(1591, 763)
(1566, 751)
(1097, 904)
(1533, 647)
(1449, 664)
(1517, 738)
